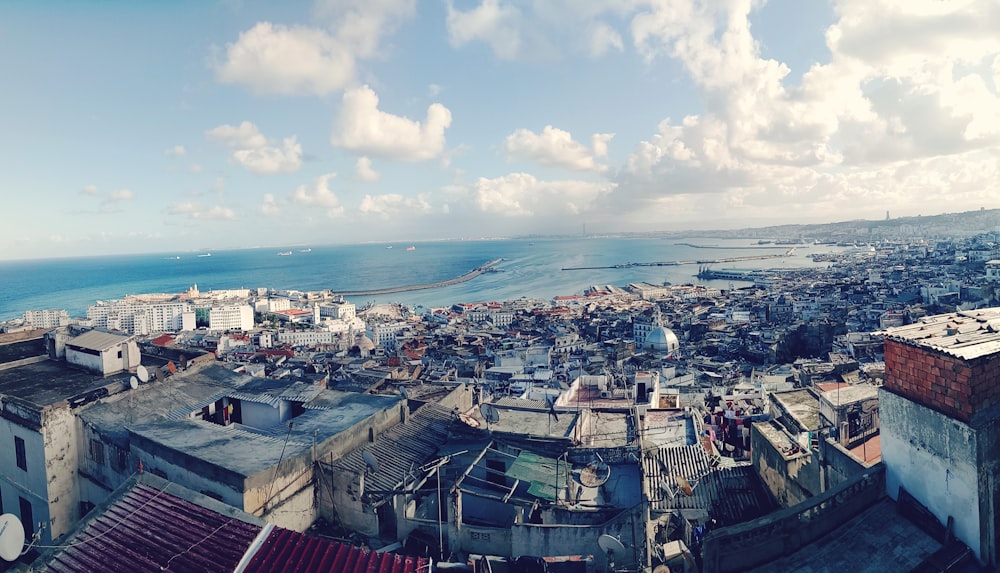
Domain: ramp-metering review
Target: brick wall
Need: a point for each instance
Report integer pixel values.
(950, 385)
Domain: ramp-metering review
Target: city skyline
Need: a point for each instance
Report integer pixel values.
(133, 128)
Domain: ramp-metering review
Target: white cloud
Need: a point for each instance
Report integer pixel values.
(120, 195)
(392, 204)
(319, 195)
(556, 147)
(490, 22)
(90, 190)
(194, 210)
(195, 168)
(269, 206)
(363, 128)
(275, 59)
(540, 30)
(176, 151)
(363, 170)
(252, 150)
(245, 135)
(908, 98)
(521, 194)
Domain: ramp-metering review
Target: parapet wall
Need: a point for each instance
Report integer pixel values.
(763, 540)
(955, 387)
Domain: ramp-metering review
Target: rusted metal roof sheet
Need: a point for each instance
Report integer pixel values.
(286, 551)
(150, 530)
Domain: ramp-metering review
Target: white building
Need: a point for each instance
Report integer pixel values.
(384, 334)
(137, 317)
(341, 310)
(993, 271)
(231, 317)
(46, 318)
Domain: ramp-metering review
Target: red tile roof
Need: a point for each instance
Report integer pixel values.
(150, 530)
(286, 551)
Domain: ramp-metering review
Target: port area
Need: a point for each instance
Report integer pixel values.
(787, 253)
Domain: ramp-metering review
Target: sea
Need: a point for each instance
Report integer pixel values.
(532, 268)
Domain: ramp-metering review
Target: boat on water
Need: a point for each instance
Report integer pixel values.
(305, 250)
(284, 253)
(173, 258)
(389, 247)
(203, 255)
(411, 248)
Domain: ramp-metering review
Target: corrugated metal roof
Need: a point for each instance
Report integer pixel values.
(400, 449)
(150, 530)
(964, 334)
(729, 494)
(97, 340)
(286, 551)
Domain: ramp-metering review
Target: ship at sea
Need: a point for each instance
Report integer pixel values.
(205, 255)
(284, 253)
(305, 250)
(411, 248)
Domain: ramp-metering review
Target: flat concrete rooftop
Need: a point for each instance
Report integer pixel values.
(50, 382)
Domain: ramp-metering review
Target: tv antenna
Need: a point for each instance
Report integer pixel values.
(612, 547)
(142, 373)
(490, 413)
(11, 537)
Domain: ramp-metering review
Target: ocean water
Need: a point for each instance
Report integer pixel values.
(531, 268)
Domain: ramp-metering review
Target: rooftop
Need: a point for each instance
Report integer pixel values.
(851, 394)
(801, 405)
(964, 334)
(49, 382)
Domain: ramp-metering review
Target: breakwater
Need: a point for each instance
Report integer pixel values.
(390, 290)
(787, 253)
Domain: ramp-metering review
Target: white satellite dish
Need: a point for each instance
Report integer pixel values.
(611, 545)
(143, 373)
(489, 412)
(11, 537)
(133, 382)
(370, 461)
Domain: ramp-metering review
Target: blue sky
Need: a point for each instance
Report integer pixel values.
(175, 126)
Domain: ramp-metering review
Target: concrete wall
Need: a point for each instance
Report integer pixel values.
(15, 482)
(258, 415)
(989, 486)
(791, 479)
(220, 484)
(839, 466)
(61, 455)
(758, 542)
(935, 458)
(284, 497)
(541, 540)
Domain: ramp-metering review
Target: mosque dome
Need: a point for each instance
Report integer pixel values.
(661, 339)
(364, 343)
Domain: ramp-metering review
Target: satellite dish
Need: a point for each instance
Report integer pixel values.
(133, 382)
(595, 474)
(370, 461)
(11, 537)
(611, 545)
(404, 392)
(489, 412)
(142, 373)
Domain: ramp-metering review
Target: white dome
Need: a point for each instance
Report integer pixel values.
(661, 339)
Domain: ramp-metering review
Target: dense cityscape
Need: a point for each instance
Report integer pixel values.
(768, 426)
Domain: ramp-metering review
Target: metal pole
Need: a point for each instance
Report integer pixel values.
(440, 524)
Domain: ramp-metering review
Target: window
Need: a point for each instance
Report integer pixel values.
(97, 451)
(22, 459)
(27, 519)
(117, 457)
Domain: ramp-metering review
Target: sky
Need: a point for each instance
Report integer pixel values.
(134, 127)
